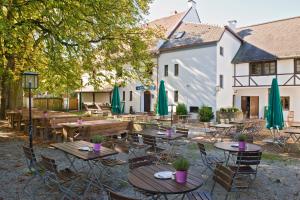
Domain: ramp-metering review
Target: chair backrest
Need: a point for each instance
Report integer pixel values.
(115, 196)
(149, 140)
(184, 131)
(49, 164)
(224, 176)
(202, 148)
(249, 158)
(29, 153)
(141, 161)
(137, 128)
(134, 137)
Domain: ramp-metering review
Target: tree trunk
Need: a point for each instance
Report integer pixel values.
(4, 94)
(15, 99)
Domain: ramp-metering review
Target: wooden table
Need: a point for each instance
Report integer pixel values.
(154, 133)
(225, 127)
(90, 158)
(14, 116)
(228, 146)
(295, 124)
(143, 178)
(294, 134)
(72, 149)
(70, 128)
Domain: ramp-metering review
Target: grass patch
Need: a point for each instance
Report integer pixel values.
(272, 157)
(79, 113)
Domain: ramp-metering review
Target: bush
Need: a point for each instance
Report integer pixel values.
(205, 114)
(97, 139)
(229, 110)
(181, 109)
(181, 164)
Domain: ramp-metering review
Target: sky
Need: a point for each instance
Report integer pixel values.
(246, 12)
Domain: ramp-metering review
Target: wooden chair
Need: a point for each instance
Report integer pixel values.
(64, 179)
(151, 142)
(142, 161)
(115, 196)
(247, 163)
(209, 161)
(35, 168)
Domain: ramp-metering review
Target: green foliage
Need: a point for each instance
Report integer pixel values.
(205, 114)
(97, 139)
(229, 110)
(181, 164)
(181, 109)
(62, 40)
(242, 137)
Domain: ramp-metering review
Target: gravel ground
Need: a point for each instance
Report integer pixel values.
(278, 177)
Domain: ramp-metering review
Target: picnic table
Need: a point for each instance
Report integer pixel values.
(72, 152)
(294, 134)
(70, 128)
(14, 116)
(295, 124)
(143, 179)
(232, 147)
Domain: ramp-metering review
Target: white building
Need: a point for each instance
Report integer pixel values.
(270, 50)
(194, 62)
(219, 67)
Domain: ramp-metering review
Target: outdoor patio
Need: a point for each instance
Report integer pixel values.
(277, 178)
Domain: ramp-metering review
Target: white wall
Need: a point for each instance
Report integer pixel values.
(197, 68)
(292, 92)
(230, 45)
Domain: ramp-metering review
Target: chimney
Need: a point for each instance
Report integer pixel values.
(232, 24)
(192, 3)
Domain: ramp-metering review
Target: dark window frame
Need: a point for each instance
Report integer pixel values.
(124, 96)
(130, 95)
(221, 51)
(295, 66)
(176, 69)
(221, 80)
(284, 100)
(176, 96)
(262, 66)
(166, 70)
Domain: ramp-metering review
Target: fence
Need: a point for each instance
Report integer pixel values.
(48, 103)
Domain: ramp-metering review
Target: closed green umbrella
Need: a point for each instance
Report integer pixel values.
(162, 102)
(274, 115)
(115, 102)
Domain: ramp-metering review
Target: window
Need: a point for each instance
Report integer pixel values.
(221, 81)
(262, 68)
(166, 70)
(297, 66)
(176, 69)
(176, 96)
(221, 51)
(130, 96)
(285, 101)
(123, 95)
(194, 109)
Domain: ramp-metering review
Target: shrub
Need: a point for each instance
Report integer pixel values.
(181, 109)
(205, 114)
(181, 164)
(242, 138)
(97, 139)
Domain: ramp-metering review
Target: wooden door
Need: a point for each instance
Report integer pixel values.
(245, 105)
(254, 107)
(147, 101)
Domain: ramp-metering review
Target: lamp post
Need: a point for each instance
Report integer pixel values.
(30, 81)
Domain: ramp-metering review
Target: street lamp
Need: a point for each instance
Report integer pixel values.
(30, 81)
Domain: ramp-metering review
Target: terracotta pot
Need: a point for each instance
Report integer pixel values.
(97, 147)
(181, 176)
(242, 144)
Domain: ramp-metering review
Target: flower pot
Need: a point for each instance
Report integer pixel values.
(242, 144)
(97, 147)
(181, 176)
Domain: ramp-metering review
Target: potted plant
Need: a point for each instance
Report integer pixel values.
(181, 165)
(242, 141)
(97, 140)
(79, 121)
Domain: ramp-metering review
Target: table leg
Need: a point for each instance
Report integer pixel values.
(71, 162)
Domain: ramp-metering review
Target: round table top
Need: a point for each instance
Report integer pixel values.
(232, 147)
(143, 178)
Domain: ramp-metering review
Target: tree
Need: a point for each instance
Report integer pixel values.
(64, 39)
